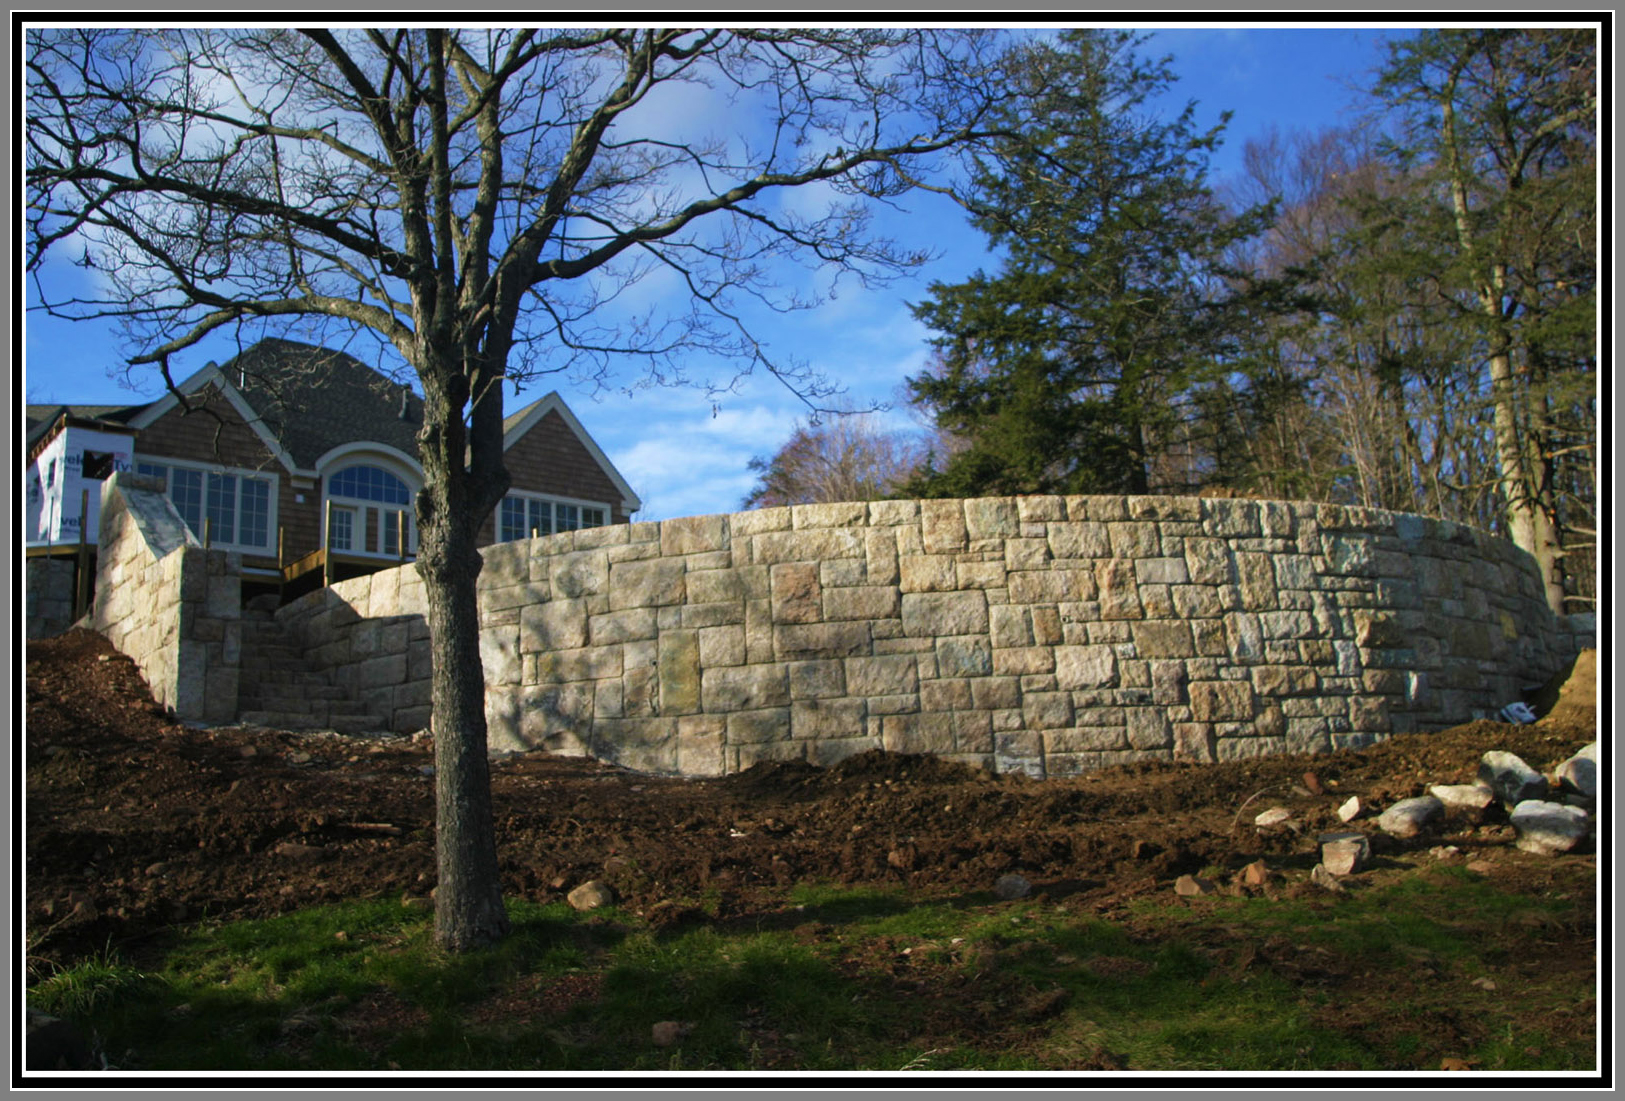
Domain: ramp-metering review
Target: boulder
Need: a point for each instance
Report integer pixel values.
(1192, 885)
(1511, 779)
(1463, 796)
(1578, 774)
(1549, 828)
(1322, 877)
(1409, 817)
(53, 1044)
(1344, 852)
(591, 895)
(1010, 887)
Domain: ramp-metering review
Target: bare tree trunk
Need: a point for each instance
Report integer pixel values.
(468, 896)
(1528, 520)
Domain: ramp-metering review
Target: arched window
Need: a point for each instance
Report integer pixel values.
(369, 483)
(368, 511)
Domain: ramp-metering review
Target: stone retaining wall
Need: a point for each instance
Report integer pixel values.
(170, 605)
(48, 596)
(1048, 635)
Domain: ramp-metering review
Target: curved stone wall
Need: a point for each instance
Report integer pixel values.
(1048, 635)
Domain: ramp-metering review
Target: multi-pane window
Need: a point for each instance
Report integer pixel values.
(523, 515)
(342, 532)
(369, 483)
(380, 515)
(237, 506)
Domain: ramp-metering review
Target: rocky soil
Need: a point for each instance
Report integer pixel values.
(135, 823)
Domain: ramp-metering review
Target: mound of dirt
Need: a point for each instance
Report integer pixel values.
(135, 822)
(1570, 698)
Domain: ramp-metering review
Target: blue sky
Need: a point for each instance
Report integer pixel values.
(685, 454)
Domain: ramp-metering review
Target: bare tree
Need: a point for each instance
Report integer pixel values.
(847, 457)
(489, 204)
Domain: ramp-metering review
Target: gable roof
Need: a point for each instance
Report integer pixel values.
(516, 424)
(307, 400)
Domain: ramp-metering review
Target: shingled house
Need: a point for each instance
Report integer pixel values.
(291, 453)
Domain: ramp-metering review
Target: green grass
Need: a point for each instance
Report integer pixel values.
(839, 979)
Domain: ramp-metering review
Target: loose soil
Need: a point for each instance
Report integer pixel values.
(136, 823)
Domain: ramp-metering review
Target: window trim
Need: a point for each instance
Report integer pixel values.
(370, 514)
(243, 475)
(550, 499)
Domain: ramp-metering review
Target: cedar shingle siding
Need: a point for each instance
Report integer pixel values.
(550, 459)
(313, 400)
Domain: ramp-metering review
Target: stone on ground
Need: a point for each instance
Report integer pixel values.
(1549, 828)
(591, 895)
(1409, 817)
(1322, 877)
(1192, 885)
(1578, 774)
(1275, 816)
(53, 1044)
(1351, 809)
(1010, 887)
(1511, 779)
(1344, 853)
(1463, 796)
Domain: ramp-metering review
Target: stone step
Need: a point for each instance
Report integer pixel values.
(282, 678)
(271, 701)
(362, 722)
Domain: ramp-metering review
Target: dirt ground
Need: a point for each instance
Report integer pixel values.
(135, 823)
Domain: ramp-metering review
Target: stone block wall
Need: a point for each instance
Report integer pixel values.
(170, 605)
(1048, 635)
(48, 596)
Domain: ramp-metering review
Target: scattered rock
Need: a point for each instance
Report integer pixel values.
(1312, 782)
(1463, 796)
(667, 1033)
(1549, 828)
(591, 895)
(1255, 874)
(1512, 781)
(294, 850)
(1192, 885)
(1578, 774)
(1351, 809)
(54, 1044)
(299, 758)
(1484, 984)
(1010, 887)
(1344, 853)
(1322, 877)
(1409, 817)
(1444, 852)
(1275, 816)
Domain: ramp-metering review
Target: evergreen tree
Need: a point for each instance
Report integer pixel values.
(1067, 370)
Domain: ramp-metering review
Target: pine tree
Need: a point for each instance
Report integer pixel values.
(1066, 371)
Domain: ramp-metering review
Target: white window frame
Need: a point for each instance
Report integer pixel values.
(369, 515)
(552, 502)
(242, 474)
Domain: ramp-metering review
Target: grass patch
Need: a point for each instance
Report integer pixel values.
(845, 979)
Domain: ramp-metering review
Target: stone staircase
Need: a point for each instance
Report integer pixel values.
(280, 687)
